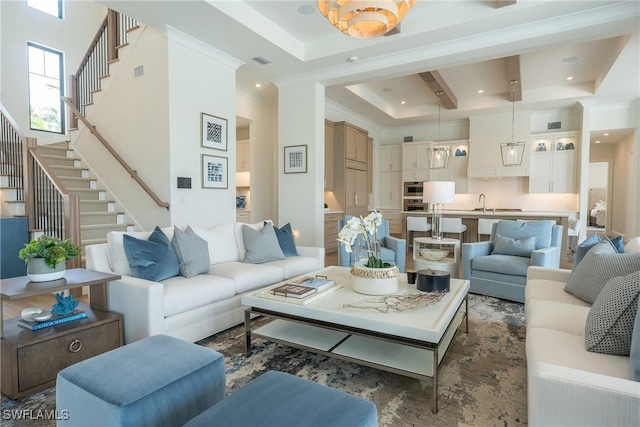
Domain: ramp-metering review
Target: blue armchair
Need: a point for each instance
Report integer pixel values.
(498, 267)
(392, 249)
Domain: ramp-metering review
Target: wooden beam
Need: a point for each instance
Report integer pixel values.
(497, 4)
(436, 83)
(512, 64)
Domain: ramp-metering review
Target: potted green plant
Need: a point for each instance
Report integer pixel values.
(46, 256)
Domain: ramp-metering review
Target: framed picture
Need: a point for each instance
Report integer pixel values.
(215, 173)
(295, 159)
(213, 132)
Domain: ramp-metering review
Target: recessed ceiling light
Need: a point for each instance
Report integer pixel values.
(570, 59)
(258, 85)
(570, 78)
(598, 141)
(352, 58)
(606, 134)
(481, 91)
(306, 9)
(403, 102)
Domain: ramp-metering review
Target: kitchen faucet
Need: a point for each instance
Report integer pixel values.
(484, 202)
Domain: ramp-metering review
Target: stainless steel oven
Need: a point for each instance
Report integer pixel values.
(415, 205)
(413, 189)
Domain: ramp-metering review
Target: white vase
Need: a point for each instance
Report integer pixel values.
(39, 271)
(374, 281)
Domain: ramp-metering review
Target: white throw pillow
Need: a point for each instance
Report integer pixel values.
(221, 241)
(632, 245)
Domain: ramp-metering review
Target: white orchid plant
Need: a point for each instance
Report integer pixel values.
(368, 228)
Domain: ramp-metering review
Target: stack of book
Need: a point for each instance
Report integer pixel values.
(301, 291)
(55, 320)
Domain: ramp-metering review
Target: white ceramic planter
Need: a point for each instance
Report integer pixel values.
(374, 281)
(39, 271)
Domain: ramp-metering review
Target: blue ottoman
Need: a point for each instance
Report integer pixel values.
(276, 399)
(157, 381)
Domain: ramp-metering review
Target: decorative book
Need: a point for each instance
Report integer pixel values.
(320, 283)
(55, 320)
(268, 294)
(293, 291)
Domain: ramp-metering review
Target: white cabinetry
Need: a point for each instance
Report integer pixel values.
(391, 158)
(415, 166)
(390, 177)
(243, 163)
(553, 163)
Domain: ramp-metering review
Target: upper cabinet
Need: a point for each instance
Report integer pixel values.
(415, 164)
(390, 177)
(391, 158)
(351, 186)
(553, 163)
(355, 142)
(486, 133)
(243, 163)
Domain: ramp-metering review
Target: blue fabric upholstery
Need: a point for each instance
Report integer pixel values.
(634, 357)
(504, 276)
(584, 247)
(392, 249)
(157, 381)
(286, 240)
(277, 399)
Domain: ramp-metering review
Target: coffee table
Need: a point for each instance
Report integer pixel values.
(411, 343)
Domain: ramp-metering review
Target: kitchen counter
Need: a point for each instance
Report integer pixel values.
(326, 212)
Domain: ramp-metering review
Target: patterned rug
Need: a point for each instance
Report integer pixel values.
(482, 377)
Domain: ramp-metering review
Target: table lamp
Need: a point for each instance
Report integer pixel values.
(436, 193)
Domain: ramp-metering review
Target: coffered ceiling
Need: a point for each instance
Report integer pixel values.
(561, 52)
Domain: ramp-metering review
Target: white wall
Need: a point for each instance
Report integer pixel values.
(201, 79)
(21, 24)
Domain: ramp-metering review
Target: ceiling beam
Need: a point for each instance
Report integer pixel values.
(512, 64)
(497, 4)
(436, 83)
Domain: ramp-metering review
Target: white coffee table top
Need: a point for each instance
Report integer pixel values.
(425, 324)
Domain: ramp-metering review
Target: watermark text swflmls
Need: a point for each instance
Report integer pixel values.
(33, 414)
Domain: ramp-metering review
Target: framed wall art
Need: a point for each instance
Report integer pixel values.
(215, 172)
(213, 132)
(295, 159)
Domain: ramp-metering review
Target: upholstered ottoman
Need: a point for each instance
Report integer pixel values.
(276, 399)
(157, 381)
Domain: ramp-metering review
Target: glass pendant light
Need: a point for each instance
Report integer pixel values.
(438, 157)
(512, 151)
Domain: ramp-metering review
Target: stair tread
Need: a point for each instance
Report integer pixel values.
(99, 226)
(101, 213)
(68, 167)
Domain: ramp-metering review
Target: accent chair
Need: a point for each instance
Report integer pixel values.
(498, 267)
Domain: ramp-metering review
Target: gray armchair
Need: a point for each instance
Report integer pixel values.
(392, 249)
(498, 267)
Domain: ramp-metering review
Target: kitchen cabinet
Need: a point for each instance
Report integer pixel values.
(391, 158)
(553, 166)
(456, 171)
(243, 163)
(355, 141)
(369, 171)
(485, 159)
(331, 231)
(390, 190)
(356, 192)
(394, 217)
(329, 151)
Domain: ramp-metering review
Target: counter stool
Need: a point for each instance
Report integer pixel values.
(485, 226)
(453, 225)
(417, 223)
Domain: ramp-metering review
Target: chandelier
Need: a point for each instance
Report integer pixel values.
(512, 151)
(365, 19)
(438, 157)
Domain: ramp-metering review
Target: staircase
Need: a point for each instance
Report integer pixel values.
(98, 216)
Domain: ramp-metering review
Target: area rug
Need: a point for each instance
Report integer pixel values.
(482, 377)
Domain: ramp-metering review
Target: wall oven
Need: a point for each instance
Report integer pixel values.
(413, 189)
(414, 205)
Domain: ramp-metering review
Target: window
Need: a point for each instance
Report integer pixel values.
(52, 7)
(46, 109)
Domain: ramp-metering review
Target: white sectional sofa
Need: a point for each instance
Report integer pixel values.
(568, 385)
(196, 307)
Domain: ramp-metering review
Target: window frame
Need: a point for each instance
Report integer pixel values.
(60, 9)
(62, 87)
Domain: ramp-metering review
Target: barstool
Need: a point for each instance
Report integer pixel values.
(485, 226)
(573, 231)
(453, 225)
(417, 223)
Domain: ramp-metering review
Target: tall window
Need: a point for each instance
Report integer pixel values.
(52, 7)
(46, 109)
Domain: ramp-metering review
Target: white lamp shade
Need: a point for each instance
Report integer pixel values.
(438, 192)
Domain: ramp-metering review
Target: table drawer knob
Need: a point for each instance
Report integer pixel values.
(75, 346)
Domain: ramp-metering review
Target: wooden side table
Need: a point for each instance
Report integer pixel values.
(31, 359)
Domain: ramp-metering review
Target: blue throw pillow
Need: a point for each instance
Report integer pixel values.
(517, 247)
(584, 247)
(285, 240)
(152, 259)
(618, 244)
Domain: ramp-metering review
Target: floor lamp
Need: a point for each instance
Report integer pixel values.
(436, 193)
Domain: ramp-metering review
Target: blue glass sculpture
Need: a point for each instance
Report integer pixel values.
(65, 305)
